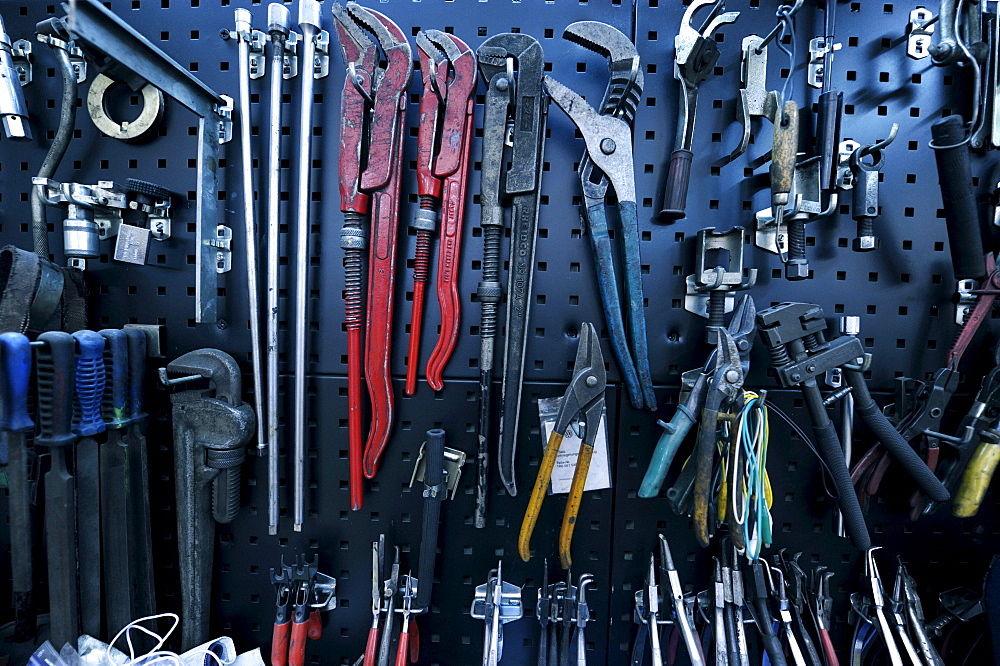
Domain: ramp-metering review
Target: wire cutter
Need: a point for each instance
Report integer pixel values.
(443, 143)
(372, 131)
(584, 398)
(742, 328)
(608, 161)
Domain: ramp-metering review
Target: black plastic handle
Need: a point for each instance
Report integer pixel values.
(828, 136)
(136, 373)
(435, 492)
(676, 193)
(961, 215)
(892, 440)
(55, 366)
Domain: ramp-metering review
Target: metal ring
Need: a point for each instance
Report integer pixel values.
(152, 110)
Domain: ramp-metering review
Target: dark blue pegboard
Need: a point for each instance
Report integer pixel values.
(902, 293)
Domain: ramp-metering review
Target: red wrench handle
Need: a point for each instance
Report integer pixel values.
(279, 644)
(402, 652)
(371, 646)
(297, 647)
(381, 286)
(449, 260)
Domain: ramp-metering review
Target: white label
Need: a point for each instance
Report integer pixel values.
(599, 475)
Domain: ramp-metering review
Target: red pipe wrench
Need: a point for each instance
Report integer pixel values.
(373, 118)
(443, 142)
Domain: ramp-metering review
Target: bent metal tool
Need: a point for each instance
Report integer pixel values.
(373, 118)
(443, 143)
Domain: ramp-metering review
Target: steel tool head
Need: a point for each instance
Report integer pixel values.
(357, 48)
(279, 19)
(523, 48)
(728, 376)
(695, 52)
(585, 394)
(874, 579)
(624, 89)
(609, 144)
(652, 596)
(449, 68)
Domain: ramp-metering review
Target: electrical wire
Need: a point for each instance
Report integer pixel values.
(155, 655)
(751, 512)
(801, 434)
(785, 16)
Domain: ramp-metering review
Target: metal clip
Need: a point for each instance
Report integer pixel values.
(727, 279)
(159, 220)
(967, 300)
(321, 61)
(22, 58)
(256, 47)
(223, 244)
(845, 177)
(79, 62)
(290, 56)
(918, 33)
(225, 120)
(497, 603)
(803, 201)
(453, 462)
(819, 52)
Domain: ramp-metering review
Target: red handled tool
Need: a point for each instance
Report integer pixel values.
(373, 111)
(443, 142)
(302, 594)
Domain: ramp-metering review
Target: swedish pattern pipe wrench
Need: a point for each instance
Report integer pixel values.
(515, 116)
(443, 144)
(373, 123)
(608, 161)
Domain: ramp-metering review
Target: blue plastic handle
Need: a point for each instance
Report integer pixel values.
(666, 448)
(90, 380)
(136, 373)
(15, 372)
(113, 405)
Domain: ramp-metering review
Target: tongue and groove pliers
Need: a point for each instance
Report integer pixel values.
(608, 161)
(372, 131)
(443, 143)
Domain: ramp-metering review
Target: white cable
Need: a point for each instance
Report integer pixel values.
(155, 655)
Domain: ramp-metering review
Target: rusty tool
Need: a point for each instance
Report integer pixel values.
(443, 143)
(373, 117)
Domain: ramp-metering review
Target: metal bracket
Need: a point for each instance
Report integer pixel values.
(225, 111)
(819, 52)
(967, 300)
(845, 177)
(223, 244)
(79, 63)
(453, 462)
(919, 33)
(258, 66)
(290, 56)
(727, 279)
(22, 57)
(321, 61)
(499, 602)
(803, 200)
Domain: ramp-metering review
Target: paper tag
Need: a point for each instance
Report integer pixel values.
(599, 475)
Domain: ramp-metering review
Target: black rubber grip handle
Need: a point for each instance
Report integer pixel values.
(435, 491)
(772, 646)
(828, 136)
(828, 445)
(958, 199)
(894, 443)
(676, 193)
(55, 368)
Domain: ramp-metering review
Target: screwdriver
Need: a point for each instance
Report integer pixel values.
(87, 422)
(55, 371)
(15, 369)
(118, 589)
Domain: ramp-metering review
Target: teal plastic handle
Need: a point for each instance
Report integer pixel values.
(666, 448)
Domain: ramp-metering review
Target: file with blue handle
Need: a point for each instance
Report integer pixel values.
(87, 422)
(15, 373)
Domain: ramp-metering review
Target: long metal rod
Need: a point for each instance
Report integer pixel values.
(250, 222)
(309, 21)
(278, 22)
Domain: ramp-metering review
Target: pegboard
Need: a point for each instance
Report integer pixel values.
(902, 293)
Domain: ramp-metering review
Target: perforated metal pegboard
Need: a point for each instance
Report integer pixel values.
(902, 292)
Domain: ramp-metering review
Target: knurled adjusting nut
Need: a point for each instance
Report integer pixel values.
(353, 238)
(489, 292)
(425, 220)
(225, 458)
